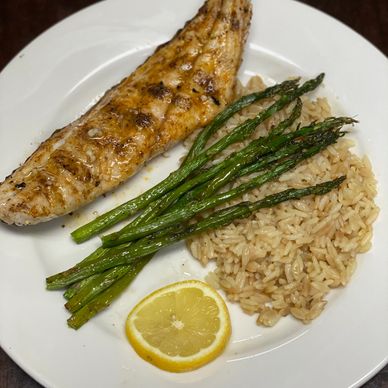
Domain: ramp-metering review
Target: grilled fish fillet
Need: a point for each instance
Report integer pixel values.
(181, 87)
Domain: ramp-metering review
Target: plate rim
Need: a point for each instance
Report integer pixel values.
(63, 22)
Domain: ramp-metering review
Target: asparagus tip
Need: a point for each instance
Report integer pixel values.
(320, 77)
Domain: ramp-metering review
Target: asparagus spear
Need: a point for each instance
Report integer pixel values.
(105, 298)
(150, 244)
(76, 288)
(203, 137)
(240, 133)
(209, 188)
(194, 208)
(102, 282)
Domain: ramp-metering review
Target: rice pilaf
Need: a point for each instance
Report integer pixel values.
(285, 260)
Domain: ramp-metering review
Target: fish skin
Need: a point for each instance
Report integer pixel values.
(178, 89)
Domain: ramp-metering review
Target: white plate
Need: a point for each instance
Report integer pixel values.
(63, 72)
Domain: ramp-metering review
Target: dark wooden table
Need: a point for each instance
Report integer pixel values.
(23, 20)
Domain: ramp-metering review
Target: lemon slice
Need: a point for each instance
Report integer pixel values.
(180, 327)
